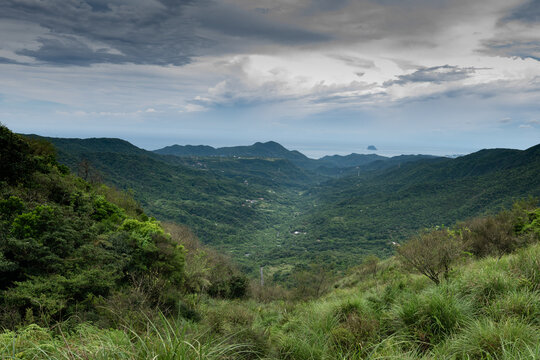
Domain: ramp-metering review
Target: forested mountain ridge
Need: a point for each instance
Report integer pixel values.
(379, 207)
(326, 165)
(270, 211)
(270, 149)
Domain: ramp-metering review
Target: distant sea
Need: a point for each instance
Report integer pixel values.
(317, 151)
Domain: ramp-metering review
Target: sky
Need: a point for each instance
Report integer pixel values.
(319, 76)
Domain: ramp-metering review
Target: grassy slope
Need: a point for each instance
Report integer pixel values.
(488, 309)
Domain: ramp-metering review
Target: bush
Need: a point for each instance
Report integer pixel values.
(492, 235)
(502, 233)
(431, 253)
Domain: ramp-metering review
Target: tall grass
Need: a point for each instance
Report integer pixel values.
(164, 339)
(487, 309)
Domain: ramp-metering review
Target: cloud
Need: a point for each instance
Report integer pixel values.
(4, 60)
(509, 47)
(505, 120)
(68, 50)
(517, 33)
(230, 20)
(436, 75)
(193, 108)
(529, 12)
(355, 61)
(93, 31)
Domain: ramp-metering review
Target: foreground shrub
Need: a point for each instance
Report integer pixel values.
(492, 235)
(431, 253)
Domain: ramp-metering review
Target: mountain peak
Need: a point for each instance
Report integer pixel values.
(270, 145)
(269, 149)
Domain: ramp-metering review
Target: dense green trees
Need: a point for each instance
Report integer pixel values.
(69, 247)
(64, 244)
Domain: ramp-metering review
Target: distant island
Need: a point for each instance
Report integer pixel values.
(371, 147)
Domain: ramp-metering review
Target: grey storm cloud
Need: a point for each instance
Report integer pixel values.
(508, 42)
(523, 48)
(236, 22)
(158, 32)
(528, 13)
(69, 50)
(436, 74)
(94, 31)
(4, 60)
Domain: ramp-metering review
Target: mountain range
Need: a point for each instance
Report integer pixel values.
(266, 205)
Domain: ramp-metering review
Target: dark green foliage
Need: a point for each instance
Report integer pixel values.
(104, 210)
(232, 287)
(10, 208)
(501, 233)
(16, 162)
(64, 245)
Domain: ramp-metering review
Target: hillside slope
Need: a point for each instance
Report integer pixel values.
(270, 149)
(66, 245)
(485, 308)
(269, 212)
(373, 209)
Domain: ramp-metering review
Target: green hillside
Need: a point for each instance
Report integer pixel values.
(236, 204)
(67, 245)
(325, 166)
(270, 149)
(365, 213)
(270, 212)
(86, 274)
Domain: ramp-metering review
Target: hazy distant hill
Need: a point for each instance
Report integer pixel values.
(270, 149)
(328, 165)
(253, 202)
(351, 159)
